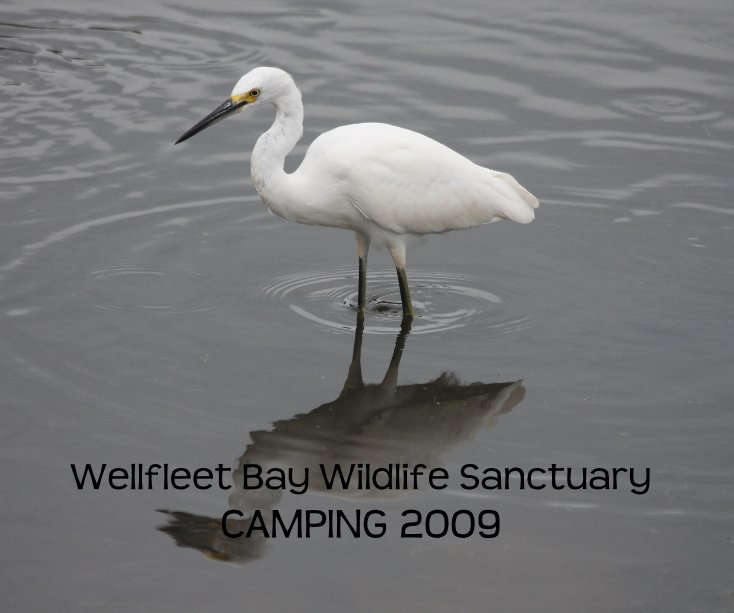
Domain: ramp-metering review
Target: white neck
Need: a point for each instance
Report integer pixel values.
(268, 156)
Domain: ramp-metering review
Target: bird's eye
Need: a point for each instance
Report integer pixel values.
(255, 93)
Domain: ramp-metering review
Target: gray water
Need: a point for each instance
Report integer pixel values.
(153, 311)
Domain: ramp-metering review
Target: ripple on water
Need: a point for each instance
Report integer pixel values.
(136, 288)
(443, 301)
(671, 107)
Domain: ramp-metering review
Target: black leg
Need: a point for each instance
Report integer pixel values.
(362, 291)
(408, 311)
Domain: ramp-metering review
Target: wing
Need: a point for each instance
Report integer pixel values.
(405, 182)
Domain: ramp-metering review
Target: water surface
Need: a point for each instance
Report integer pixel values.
(154, 312)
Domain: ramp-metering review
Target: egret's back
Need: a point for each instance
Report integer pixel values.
(407, 183)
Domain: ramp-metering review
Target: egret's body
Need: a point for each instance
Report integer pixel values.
(383, 182)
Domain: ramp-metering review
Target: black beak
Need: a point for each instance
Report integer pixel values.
(223, 110)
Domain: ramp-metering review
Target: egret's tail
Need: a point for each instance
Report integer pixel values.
(519, 189)
(520, 202)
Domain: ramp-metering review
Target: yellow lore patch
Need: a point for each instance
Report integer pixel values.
(248, 97)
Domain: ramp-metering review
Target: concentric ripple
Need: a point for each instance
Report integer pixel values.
(136, 288)
(671, 107)
(442, 301)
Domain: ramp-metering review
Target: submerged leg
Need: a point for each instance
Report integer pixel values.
(397, 252)
(390, 381)
(363, 246)
(354, 380)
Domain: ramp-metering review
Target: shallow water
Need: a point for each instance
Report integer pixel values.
(154, 312)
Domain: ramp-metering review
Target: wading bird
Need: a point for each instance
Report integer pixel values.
(384, 183)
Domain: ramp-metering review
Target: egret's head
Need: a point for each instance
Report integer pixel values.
(260, 85)
(263, 84)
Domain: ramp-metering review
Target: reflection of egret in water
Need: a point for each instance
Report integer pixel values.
(377, 424)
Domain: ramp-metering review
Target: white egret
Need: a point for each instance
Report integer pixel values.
(384, 183)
